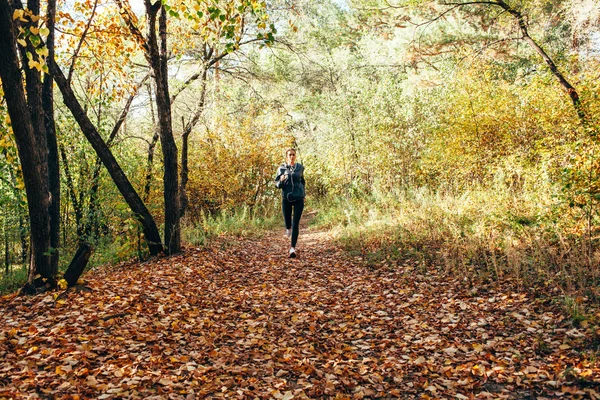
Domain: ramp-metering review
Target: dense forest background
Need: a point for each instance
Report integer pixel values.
(461, 135)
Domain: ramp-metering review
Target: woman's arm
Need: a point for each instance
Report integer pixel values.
(278, 181)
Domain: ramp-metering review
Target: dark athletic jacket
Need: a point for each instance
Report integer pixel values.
(293, 188)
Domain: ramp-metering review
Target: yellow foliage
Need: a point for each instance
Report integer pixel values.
(234, 164)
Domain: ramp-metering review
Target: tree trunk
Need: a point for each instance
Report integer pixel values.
(30, 136)
(151, 233)
(151, 147)
(157, 58)
(77, 209)
(158, 61)
(78, 264)
(23, 237)
(6, 250)
(187, 129)
(571, 91)
(53, 165)
(92, 226)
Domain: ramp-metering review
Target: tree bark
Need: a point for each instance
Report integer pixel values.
(187, 129)
(77, 208)
(157, 58)
(151, 147)
(28, 127)
(158, 61)
(571, 91)
(53, 164)
(78, 264)
(151, 233)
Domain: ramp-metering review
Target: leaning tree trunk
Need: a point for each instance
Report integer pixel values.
(571, 91)
(132, 198)
(78, 264)
(28, 127)
(92, 226)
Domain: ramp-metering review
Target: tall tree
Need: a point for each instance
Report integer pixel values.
(220, 22)
(27, 114)
(53, 164)
(156, 55)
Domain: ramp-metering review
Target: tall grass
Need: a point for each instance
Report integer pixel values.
(239, 222)
(482, 234)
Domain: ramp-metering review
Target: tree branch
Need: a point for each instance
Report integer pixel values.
(81, 40)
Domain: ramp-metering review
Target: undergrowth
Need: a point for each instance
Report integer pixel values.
(486, 235)
(236, 223)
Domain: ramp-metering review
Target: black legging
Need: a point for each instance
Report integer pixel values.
(286, 207)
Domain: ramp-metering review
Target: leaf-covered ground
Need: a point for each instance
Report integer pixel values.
(240, 320)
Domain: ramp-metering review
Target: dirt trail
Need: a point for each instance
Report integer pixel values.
(241, 320)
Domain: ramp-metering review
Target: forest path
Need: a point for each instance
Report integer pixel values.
(241, 320)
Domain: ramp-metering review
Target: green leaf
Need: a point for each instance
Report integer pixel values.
(35, 40)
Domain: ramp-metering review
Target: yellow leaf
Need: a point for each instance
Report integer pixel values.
(42, 51)
(63, 284)
(22, 42)
(34, 64)
(44, 31)
(34, 30)
(18, 14)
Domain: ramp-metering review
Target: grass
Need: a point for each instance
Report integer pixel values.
(13, 280)
(486, 235)
(240, 222)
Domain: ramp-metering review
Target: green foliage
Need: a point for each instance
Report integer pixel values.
(483, 234)
(239, 222)
(10, 283)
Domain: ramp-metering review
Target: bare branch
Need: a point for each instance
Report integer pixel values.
(81, 40)
(125, 111)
